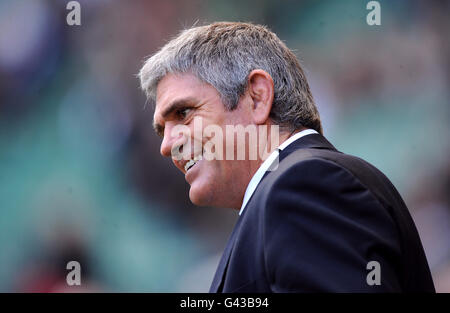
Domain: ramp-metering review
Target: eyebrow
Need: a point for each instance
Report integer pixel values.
(174, 106)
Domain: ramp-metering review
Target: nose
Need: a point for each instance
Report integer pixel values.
(172, 143)
(166, 144)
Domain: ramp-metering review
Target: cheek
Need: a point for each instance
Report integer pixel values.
(225, 173)
(216, 174)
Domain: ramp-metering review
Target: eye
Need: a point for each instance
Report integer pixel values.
(183, 112)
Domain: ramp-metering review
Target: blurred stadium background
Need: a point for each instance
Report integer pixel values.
(81, 177)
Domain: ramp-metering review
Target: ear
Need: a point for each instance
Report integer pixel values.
(260, 89)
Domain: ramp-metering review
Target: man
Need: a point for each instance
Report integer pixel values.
(312, 219)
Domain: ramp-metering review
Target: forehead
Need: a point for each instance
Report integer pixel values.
(177, 87)
(176, 84)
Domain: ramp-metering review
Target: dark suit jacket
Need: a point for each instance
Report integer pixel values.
(313, 225)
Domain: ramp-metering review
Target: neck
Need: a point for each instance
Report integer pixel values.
(267, 144)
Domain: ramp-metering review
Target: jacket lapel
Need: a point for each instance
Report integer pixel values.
(216, 285)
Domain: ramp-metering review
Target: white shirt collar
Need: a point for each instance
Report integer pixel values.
(256, 179)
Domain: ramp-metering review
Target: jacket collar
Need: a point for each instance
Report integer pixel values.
(312, 141)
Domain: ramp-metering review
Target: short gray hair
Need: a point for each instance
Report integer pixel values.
(223, 54)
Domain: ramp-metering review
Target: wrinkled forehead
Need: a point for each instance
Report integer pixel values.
(179, 87)
(173, 87)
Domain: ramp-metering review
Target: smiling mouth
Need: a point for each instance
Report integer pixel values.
(192, 162)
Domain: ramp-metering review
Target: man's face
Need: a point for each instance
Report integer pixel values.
(182, 99)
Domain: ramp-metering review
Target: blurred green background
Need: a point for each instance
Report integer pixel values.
(81, 177)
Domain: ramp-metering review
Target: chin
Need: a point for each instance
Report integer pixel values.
(206, 197)
(201, 195)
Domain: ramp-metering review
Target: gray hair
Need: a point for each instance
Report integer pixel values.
(223, 54)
